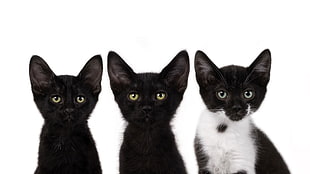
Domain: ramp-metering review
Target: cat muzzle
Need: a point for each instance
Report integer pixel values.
(236, 116)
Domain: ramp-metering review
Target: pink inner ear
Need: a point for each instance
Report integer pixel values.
(92, 72)
(39, 76)
(261, 68)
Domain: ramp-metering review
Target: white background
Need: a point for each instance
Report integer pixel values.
(148, 35)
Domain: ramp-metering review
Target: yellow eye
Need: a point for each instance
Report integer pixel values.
(80, 99)
(133, 96)
(56, 99)
(161, 96)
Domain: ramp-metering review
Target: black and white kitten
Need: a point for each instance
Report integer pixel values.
(66, 102)
(227, 141)
(148, 102)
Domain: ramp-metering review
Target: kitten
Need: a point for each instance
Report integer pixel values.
(227, 141)
(65, 102)
(148, 102)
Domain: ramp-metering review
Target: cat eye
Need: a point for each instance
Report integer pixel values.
(133, 96)
(221, 95)
(56, 99)
(248, 94)
(80, 99)
(161, 96)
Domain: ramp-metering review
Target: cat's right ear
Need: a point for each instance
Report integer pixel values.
(41, 75)
(206, 71)
(120, 73)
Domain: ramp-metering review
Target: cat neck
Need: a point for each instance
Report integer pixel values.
(148, 126)
(212, 120)
(68, 129)
(149, 140)
(155, 131)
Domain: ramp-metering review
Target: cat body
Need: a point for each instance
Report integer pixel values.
(65, 102)
(148, 102)
(227, 141)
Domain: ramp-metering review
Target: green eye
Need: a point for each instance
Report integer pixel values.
(248, 94)
(221, 94)
(161, 96)
(133, 96)
(56, 99)
(80, 99)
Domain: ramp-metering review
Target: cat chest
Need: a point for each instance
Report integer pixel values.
(228, 151)
(64, 150)
(150, 163)
(150, 154)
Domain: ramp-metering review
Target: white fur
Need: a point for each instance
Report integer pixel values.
(230, 151)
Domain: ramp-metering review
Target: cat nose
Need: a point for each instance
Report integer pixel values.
(147, 109)
(236, 108)
(69, 110)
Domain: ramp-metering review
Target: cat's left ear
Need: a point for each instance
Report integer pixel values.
(91, 73)
(259, 70)
(176, 72)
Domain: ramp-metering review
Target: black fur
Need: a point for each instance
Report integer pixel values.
(221, 128)
(66, 144)
(236, 81)
(269, 160)
(149, 145)
(201, 157)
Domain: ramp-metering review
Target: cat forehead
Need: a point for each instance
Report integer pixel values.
(65, 82)
(148, 81)
(148, 76)
(235, 76)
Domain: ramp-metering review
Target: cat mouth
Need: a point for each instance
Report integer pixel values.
(145, 118)
(68, 118)
(236, 116)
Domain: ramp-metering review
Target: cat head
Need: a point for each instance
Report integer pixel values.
(65, 99)
(236, 90)
(148, 98)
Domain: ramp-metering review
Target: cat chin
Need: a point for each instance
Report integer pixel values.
(235, 118)
(222, 114)
(141, 121)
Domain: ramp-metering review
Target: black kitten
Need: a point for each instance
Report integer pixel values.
(227, 141)
(148, 102)
(65, 102)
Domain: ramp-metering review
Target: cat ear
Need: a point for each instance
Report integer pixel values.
(206, 71)
(41, 75)
(176, 72)
(120, 73)
(91, 73)
(260, 68)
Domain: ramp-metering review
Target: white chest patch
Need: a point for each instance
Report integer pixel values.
(230, 151)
